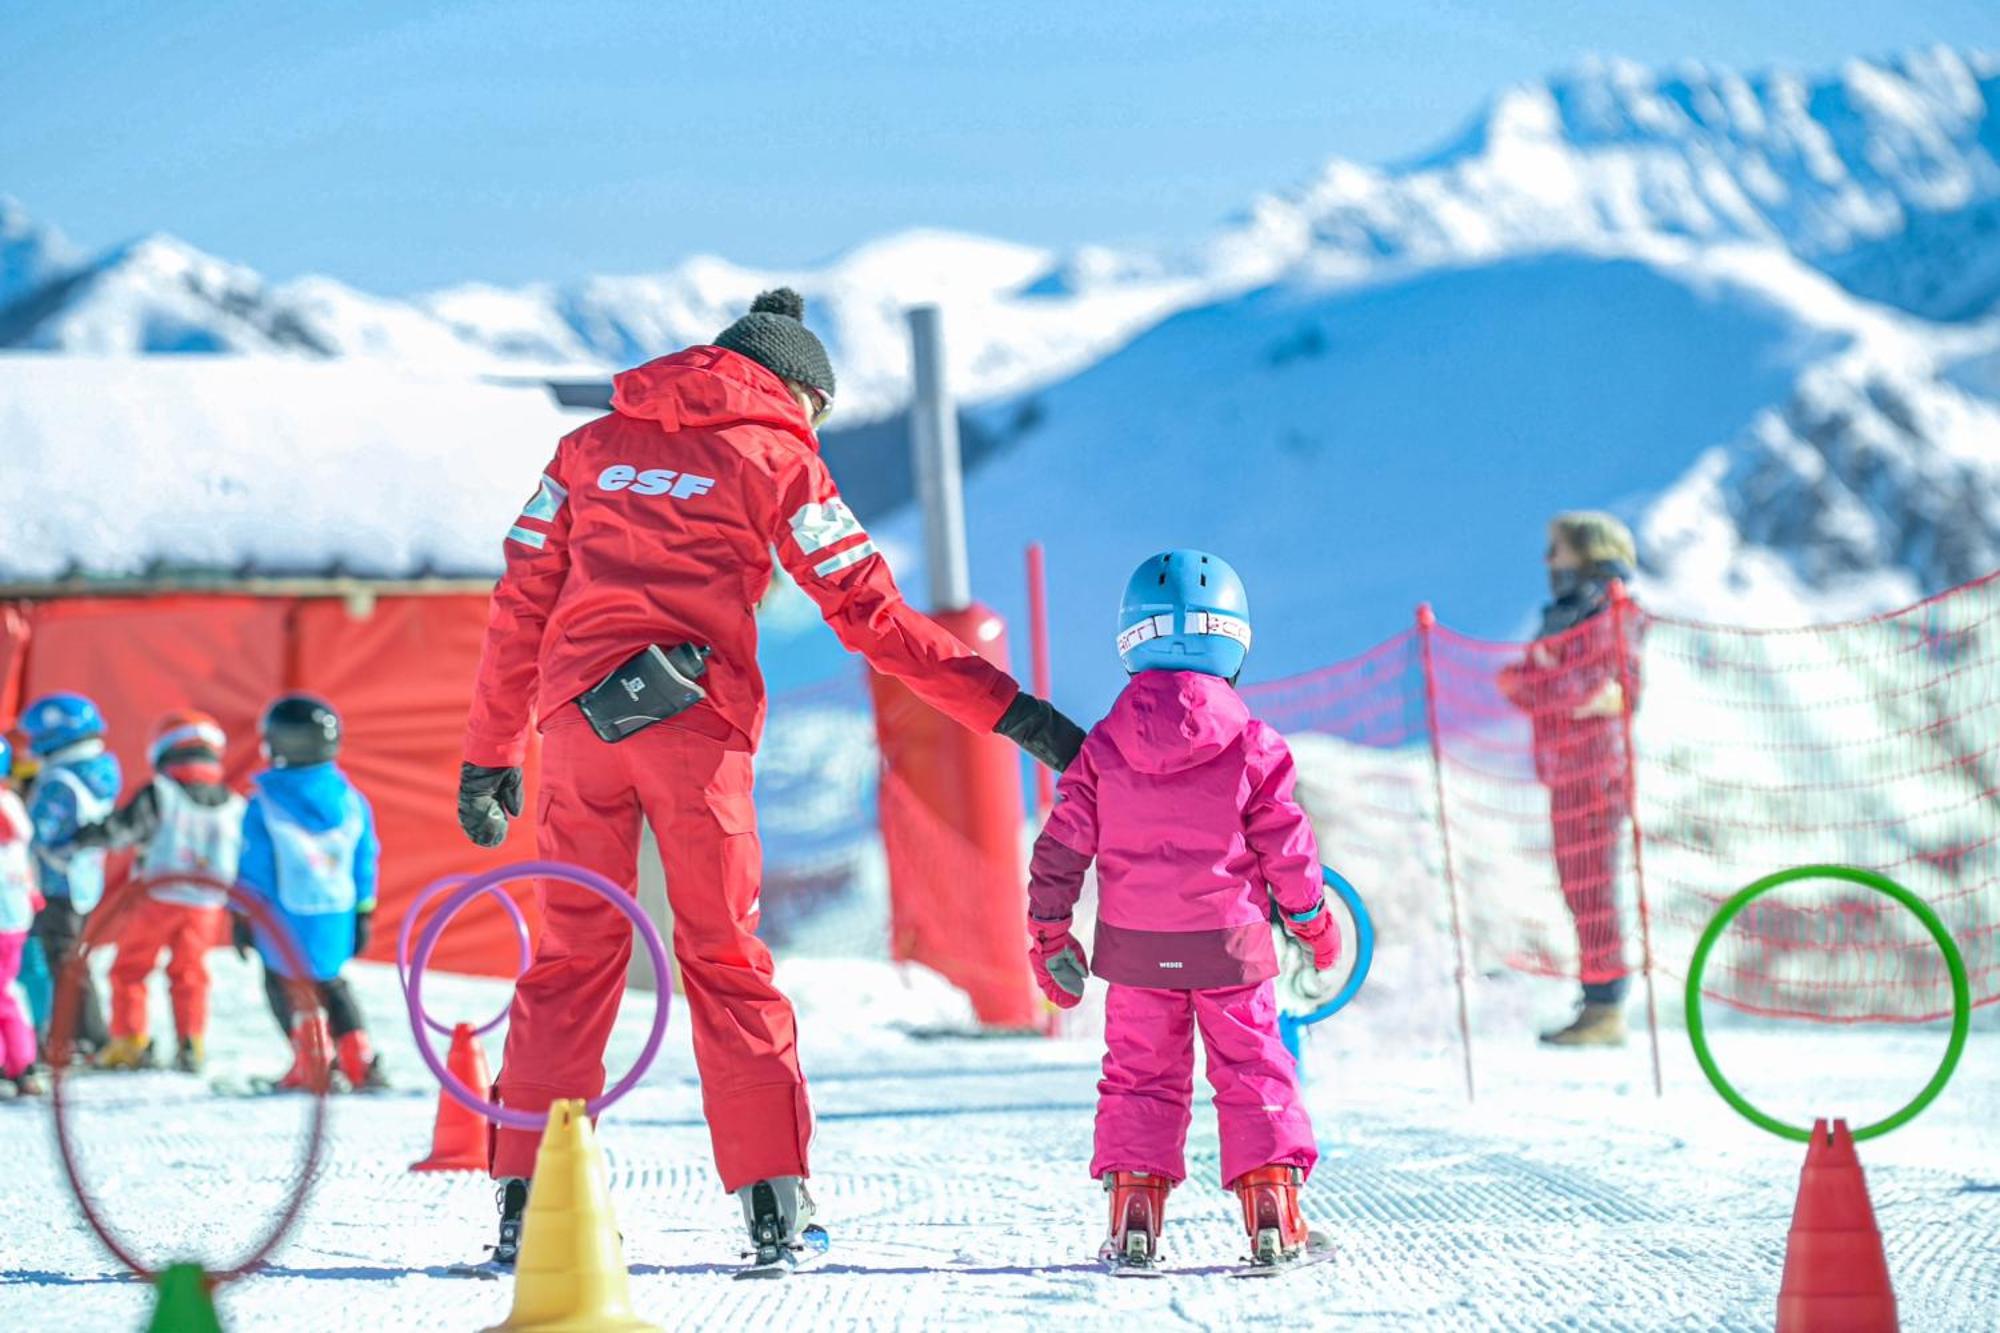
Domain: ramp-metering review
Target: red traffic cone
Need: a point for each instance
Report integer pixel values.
(1836, 1276)
(458, 1141)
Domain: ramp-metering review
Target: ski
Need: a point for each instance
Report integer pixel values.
(769, 1262)
(1136, 1264)
(1317, 1250)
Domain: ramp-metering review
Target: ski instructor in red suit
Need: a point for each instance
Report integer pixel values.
(624, 627)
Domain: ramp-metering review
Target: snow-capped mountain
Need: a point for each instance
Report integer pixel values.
(1618, 151)
(1754, 312)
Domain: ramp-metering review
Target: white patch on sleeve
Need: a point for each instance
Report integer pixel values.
(527, 537)
(548, 499)
(818, 526)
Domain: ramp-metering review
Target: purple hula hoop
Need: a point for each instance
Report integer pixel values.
(568, 874)
(417, 906)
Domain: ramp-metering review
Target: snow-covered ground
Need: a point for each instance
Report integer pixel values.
(952, 1173)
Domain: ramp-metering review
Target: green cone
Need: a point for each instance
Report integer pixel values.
(186, 1304)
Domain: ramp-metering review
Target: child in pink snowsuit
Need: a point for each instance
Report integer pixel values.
(1185, 803)
(19, 901)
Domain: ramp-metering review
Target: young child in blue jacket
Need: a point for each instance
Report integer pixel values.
(310, 851)
(77, 785)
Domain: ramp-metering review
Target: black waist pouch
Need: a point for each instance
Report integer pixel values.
(649, 687)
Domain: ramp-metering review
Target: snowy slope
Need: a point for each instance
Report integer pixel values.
(1356, 450)
(954, 1177)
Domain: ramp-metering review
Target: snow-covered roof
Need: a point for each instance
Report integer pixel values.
(121, 466)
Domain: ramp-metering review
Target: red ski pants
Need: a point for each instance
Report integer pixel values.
(696, 796)
(1587, 821)
(187, 933)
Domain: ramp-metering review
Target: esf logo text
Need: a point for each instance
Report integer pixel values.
(653, 481)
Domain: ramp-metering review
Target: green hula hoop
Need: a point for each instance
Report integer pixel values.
(1961, 996)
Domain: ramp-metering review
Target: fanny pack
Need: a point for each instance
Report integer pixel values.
(651, 686)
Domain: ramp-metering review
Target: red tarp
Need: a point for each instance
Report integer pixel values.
(400, 671)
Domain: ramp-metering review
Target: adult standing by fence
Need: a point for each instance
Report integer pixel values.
(625, 622)
(1572, 685)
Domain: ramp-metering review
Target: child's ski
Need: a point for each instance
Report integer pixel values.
(1317, 1250)
(777, 1261)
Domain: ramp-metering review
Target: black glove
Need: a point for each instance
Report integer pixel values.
(364, 926)
(240, 934)
(1036, 726)
(487, 799)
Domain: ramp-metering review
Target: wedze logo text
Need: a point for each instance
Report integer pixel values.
(653, 481)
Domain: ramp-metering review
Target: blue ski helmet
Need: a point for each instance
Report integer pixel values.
(55, 721)
(1184, 611)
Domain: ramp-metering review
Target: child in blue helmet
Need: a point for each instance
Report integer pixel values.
(20, 899)
(1185, 803)
(310, 851)
(77, 785)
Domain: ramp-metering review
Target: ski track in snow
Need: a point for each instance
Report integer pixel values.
(952, 1174)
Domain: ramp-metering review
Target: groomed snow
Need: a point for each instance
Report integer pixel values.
(952, 1174)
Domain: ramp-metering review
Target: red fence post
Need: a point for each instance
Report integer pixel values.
(1038, 652)
(1426, 623)
(1628, 681)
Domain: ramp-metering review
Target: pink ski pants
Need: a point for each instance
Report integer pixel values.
(1144, 1099)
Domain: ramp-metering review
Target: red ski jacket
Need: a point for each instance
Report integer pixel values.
(656, 524)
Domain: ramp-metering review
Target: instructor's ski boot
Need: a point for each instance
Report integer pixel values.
(779, 1214)
(1270, 1198)
(1138, 1212)
(127, 1053)
(512, 1197)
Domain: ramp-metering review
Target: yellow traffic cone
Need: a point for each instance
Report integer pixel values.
(570, 1277)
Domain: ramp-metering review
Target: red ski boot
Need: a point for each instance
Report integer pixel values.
(312, 1056)
(359, 1064)
(1138, 1211)
(1270, 1197)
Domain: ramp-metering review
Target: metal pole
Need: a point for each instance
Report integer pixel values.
(1038, 648)
(934, 452)
(1426, 622)
(1628, 680)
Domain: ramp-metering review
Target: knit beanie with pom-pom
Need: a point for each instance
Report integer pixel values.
(772, 336)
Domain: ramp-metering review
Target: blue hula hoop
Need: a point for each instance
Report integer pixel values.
(1364, 957)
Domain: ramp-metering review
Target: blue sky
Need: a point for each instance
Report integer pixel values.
(406, 145)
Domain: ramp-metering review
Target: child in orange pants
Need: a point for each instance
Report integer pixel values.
(184, 821)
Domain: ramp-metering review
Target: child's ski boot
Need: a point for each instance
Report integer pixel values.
(190, 1055)
(360, 1065)
(1138, 1211)
(1271, 1216)
(312, 1056)
(779, 1213)
(127, 1053)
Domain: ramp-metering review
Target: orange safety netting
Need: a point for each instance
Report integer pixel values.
(1590, 799)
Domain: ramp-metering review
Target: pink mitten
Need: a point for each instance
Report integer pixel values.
(1059, 961)
(1318, 932)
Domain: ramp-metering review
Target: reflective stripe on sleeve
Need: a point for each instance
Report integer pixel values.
(527, 537)
(853, 555)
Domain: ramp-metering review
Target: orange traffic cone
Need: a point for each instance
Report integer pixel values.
(1836, 1276)
(458, 1140)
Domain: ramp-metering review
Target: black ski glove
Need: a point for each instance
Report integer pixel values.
(1037, 727)
(364, 926)
(240, 934)
(487, 799)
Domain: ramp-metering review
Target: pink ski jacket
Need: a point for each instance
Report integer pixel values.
(1185, 802)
